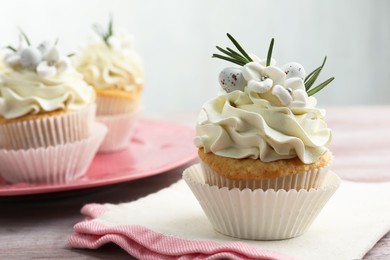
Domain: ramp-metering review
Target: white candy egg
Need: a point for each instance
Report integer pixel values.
(231, 79)
(44, 47)
(52, 55)
(294, 70)
(30, 57)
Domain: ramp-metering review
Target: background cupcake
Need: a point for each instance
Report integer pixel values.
(263, 149)
(111, 66)
(46, 111)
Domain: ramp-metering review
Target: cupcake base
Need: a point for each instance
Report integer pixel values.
(54, 164)
(306, 180)
(120, 129)
(121, 103)
(258, 214)
(44, 131)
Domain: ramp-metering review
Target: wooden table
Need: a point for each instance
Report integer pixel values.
(38, 226)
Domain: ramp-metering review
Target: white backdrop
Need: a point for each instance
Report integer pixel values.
(176, 39)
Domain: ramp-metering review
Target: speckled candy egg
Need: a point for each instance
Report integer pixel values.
(231, 79)
(294, 70)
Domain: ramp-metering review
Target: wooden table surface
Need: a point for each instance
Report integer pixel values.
(38, 226)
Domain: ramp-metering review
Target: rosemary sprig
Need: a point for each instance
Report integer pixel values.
(11, 48)
(240, 58)
(24, 35)
(229, 59)
(312, 77)
(103, 34)
(238, 46)
(320, 86)
(269, 55)
(231, 54)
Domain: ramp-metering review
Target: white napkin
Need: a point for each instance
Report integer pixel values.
(354, 219)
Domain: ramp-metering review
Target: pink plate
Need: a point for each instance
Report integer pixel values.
(156, 147)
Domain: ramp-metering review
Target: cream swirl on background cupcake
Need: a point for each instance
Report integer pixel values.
(113, 64)
(25, 93)
(268, 116)
(41, 80)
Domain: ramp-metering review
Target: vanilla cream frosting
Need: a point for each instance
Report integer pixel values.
(107, 67)
(24, 92)
(241, 124)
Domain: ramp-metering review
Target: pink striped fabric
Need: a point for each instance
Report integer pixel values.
(361, 141)
(143, 243)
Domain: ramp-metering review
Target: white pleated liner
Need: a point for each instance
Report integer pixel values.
(258, 214)
(307, 180)
(48, 131)
(120, 129)
(107, 105)
(52, 165)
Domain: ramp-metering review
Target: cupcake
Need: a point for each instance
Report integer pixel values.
(47, 117)
(262, 145)
(110, 65)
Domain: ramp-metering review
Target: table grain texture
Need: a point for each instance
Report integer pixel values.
(39, 226)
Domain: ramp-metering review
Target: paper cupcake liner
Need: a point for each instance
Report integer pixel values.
(112, 106)
(258, 214)
(120, 129)
(307, 180)
(54, 164)
(48, 131)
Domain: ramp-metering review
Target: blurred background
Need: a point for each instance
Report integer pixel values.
(176, 39)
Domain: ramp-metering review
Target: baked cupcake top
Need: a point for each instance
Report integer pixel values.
(109, 62)
(39, 80)
(263, 111)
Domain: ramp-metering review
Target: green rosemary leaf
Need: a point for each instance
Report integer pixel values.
(310, 80)
(238, 54)
(320, 86)
(238, 46)
(70, 55)
(271, 46)
(228, 59)
(24, 35)
(312, 77)
(11, 48)
(232, 55)
(110, 32)
(311, 73)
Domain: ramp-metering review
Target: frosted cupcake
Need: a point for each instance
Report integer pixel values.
(47, 117)
(262, 141)
(264, 130)
(111, 66)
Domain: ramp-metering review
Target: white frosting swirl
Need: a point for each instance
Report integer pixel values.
(25, 92)
(107, 67)
(244, 124)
